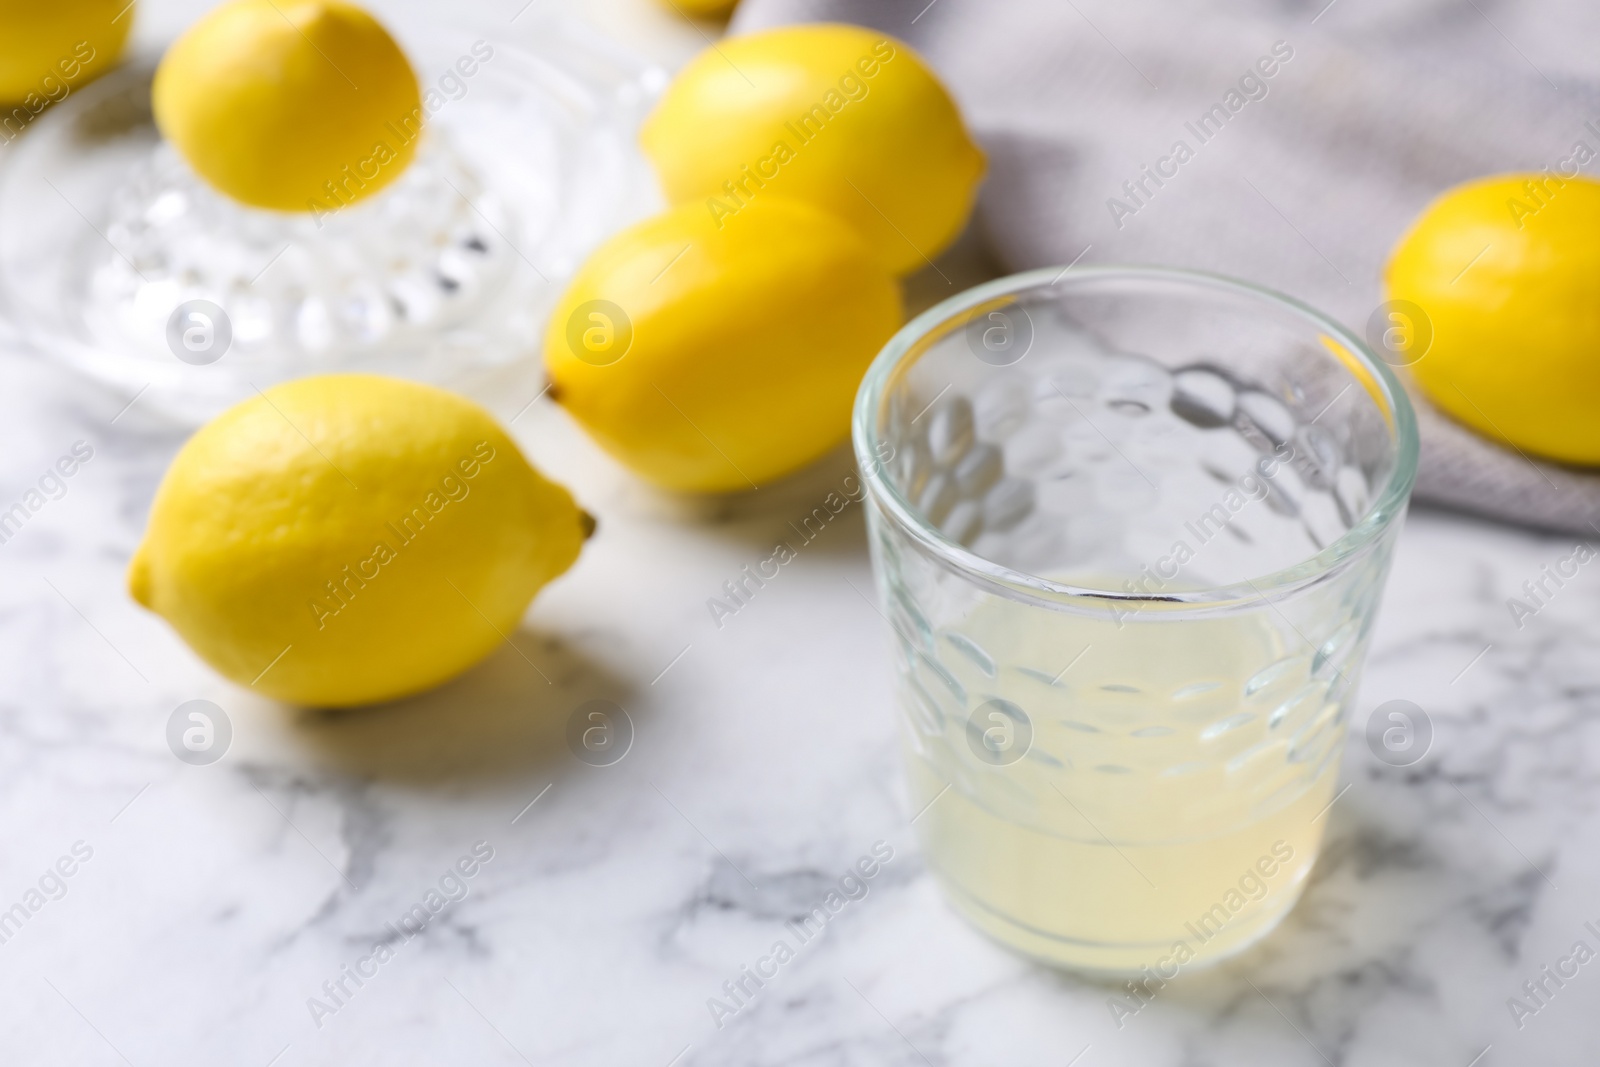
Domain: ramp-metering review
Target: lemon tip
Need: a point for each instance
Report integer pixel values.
(139, 578)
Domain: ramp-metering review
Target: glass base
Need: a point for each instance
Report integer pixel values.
(1118, 961)
(108, 240)
(1082, 902)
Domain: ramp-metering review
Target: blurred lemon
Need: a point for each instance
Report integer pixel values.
(1507, 272)
(713, 359)
(295, 105)
(348, 538)
(838, 116)
(705, 9)
(50, 47)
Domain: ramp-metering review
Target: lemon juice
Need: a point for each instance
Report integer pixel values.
(1125, 793)
(1131, 543)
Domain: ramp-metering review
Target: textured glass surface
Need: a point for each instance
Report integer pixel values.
(1131, 537)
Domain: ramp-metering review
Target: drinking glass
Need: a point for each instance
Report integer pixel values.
(1130, 528)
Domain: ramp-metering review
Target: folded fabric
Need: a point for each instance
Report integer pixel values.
(1312, 133)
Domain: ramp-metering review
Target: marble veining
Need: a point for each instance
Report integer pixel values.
(620, 899)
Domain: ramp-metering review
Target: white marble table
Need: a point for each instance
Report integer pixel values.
(208, 905)
(219, 899)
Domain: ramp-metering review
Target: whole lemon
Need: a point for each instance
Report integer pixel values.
(712, 358)
(49, 49)
(1506, 271)
(350, 538)
(295, 105)
(838, 116)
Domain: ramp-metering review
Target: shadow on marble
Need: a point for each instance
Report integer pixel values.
(813, 510)
(503, 719)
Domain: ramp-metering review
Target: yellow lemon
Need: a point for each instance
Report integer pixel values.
(349, 538)
(47, 49)
(1506, 271)
(705, 9)
(295, 105)
(711, 358)
(838, 116)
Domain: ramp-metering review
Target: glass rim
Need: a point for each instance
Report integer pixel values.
(1379, 516)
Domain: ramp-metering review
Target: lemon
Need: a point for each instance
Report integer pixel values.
(1507, 272)
(705, 9)
(295, 105)
(350, 538)
(711, 359)
(49, 49)
(838, 116)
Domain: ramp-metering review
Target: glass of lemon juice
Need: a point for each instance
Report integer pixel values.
(1130, 528)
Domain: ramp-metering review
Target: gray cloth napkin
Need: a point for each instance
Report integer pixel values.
(1377, 107)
